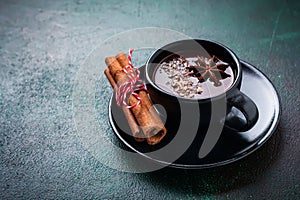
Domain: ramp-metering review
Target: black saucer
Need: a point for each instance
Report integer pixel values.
(231, 146)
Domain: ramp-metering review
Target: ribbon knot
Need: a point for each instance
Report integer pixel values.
(131, 86)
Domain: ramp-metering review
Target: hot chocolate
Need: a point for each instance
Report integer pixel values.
(194, 77)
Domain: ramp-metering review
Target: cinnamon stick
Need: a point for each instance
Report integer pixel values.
(151, 123)
(135, 130)
(144, 113)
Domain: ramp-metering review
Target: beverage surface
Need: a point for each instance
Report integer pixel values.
(194, 77)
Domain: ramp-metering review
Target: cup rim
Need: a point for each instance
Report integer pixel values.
(227, 91)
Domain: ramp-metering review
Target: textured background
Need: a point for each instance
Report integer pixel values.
(42, 45)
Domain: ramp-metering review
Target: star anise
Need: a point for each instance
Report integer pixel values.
(212, 69)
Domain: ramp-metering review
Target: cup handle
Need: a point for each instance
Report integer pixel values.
(243, 103)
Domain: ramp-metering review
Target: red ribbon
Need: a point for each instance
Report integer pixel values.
(131, 86)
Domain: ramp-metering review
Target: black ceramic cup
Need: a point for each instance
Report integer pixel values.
(231, 98)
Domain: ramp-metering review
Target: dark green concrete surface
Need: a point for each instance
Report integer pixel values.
(44, 43)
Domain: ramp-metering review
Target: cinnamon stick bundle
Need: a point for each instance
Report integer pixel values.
(143, 115)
